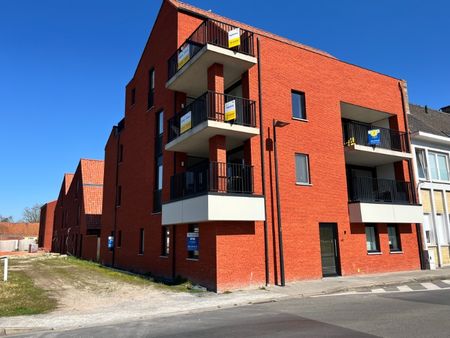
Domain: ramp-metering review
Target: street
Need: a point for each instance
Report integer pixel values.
(390, 314)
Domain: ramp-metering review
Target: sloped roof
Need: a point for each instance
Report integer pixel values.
(213, 16)
(428, 120)
(68, 181)
(19, 229)
(92, 177)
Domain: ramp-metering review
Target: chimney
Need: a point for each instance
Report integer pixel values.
(446, 109)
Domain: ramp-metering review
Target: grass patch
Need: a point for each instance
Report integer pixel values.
(19, 296)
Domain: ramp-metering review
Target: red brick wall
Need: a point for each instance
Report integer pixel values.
(232, 253)
(46, 225)
(89, 248)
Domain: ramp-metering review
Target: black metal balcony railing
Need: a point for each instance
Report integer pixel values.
(212, 32)
(357, 133)
(367, 189)
(213, 177)
(211, 106)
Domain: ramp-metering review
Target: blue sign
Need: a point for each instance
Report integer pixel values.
(192, 241)
(110, 242)
(374, 137)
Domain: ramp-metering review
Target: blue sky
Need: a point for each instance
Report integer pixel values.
(64, 66)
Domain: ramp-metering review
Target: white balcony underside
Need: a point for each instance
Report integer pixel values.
(373, 156)
(193, 77)
(195, 142)
(213, 207)
(385, 213)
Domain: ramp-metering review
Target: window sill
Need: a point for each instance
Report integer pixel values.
(300, 119)
(396, 252)
(192, 259)
(140, 254)
(165, 257)
(375, 253)
(148, 109)
(303, 184)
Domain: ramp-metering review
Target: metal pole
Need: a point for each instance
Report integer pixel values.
(277, 187)
(5, 269)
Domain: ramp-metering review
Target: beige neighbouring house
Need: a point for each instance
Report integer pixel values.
(430, 139)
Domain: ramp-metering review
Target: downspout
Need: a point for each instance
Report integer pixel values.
(263, 175)
(115, 199)
(420, 243)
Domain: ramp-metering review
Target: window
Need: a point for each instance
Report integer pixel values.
(119, 238)
(302, 169)
(119, 196)
(141, 241)
(158, 161)
(421, 163)
(165, 241)
(121, 153)
(133, 96)
(394, 238)
(151, 89)
(438, 166)
(193, 232)
(298, 105)
(372, 239)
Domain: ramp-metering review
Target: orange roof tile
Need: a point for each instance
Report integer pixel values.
(18, 229)
(92, 177)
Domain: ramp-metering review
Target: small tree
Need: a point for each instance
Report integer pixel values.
(8, 219)
(32, 215)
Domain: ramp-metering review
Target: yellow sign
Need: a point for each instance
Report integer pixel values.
(234, 38)
(185, 122)
(184, 56)
(230, 111)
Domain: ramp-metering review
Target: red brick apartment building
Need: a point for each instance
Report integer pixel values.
(78, 212)
(46, 225)
(191, 181)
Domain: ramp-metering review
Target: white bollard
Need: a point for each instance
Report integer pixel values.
(5, 268)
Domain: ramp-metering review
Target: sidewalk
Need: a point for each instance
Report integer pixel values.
(168, 304)
(332, 285)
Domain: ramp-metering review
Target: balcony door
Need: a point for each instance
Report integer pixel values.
(329, 249)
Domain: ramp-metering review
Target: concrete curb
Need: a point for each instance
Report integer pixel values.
(9, 331)
(403, 281)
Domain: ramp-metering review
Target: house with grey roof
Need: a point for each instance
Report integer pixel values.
(430, 141)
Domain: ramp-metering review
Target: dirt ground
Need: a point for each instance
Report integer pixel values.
(88, 294)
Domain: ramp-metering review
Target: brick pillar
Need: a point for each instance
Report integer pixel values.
(218, 166)
(216, 84)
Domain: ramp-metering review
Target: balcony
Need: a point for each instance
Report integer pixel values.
(191, 129)
(392, 147)
(209, 44)
(375, 200)
(213, 192)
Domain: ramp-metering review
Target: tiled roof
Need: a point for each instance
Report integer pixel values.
(428, 120)
(68, 180)
(18, 229)
(213, 16)
(92, 178)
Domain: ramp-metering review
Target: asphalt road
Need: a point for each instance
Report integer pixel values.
(408, 314)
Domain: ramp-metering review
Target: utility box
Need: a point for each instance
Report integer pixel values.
(430, 259)
(33, 248)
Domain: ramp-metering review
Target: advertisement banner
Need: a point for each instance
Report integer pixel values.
(184, 56)
(234, 38)
(185, 122)
(230, 111)
(374, 137)
(192, 241)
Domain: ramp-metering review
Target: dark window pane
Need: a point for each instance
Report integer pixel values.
(298, 105)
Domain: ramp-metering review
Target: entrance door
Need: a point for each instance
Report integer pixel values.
(329, 249)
